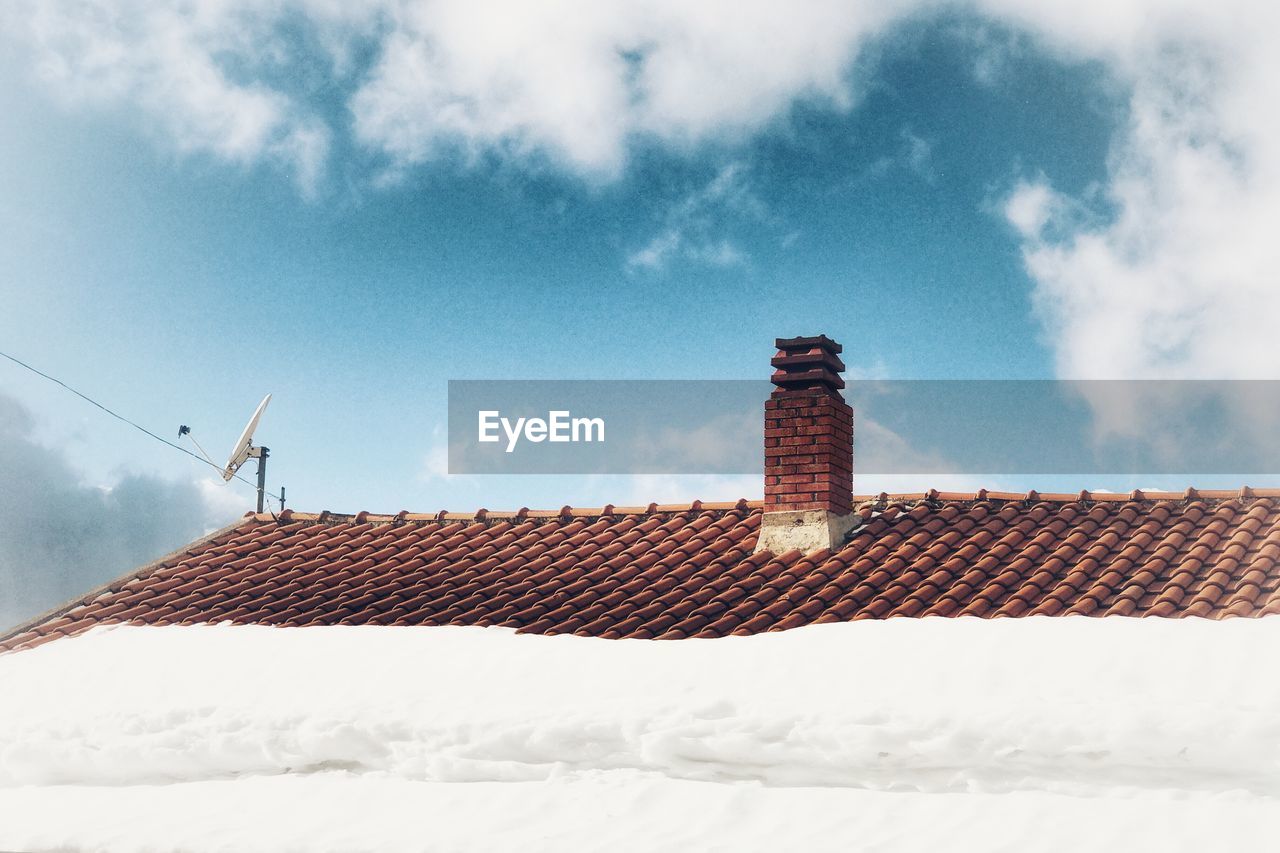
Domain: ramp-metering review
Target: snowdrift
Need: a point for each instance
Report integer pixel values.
(1166, 715)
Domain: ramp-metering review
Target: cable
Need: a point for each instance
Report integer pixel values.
(120, 417)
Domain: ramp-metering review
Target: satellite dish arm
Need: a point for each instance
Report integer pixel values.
(203, 452)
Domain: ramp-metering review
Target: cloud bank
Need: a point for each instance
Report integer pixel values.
(62, 537)
(570, 83)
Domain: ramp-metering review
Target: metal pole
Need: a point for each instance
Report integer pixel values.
(262, 475)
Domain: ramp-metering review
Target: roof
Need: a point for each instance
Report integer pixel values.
(690, 571)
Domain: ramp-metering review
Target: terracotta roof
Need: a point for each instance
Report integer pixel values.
(689, 571)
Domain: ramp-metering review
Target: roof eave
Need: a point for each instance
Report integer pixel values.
(138, 572)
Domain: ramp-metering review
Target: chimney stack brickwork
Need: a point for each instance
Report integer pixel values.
(808, 430)
(808, 450)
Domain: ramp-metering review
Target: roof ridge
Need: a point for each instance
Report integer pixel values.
(521, 514)
(933, 495)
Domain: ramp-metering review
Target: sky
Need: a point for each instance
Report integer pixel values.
(348, 204)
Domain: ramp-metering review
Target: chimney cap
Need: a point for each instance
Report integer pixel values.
(807, 365)
(808, 343)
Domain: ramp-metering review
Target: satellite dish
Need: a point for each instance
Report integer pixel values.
(244, 449)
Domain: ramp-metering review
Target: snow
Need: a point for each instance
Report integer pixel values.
(1023, 734)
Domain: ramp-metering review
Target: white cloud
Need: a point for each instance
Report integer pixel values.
(170, 63)
(1172, 275)
(570, 82)
(1029, 207)
(675, 242)
(224, 502)
(519, 79)
(994, 51)
(919, 155)
(692, 226)
(576, 81)
(914, 154)
(656, 252)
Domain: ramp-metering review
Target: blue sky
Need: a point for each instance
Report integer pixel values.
(180, 289)
(349, 207)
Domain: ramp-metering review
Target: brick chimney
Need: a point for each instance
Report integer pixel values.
(808, 447)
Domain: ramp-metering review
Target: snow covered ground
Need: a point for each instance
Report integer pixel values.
(1018, 734)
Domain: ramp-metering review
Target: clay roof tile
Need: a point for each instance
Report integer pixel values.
(689, 569)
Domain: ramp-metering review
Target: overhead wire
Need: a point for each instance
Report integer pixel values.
(136, 426)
